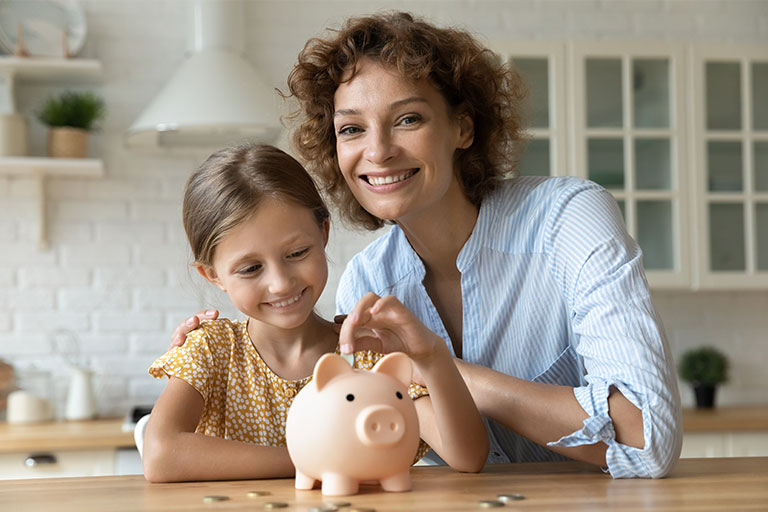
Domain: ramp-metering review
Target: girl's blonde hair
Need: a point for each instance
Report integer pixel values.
(228, 187)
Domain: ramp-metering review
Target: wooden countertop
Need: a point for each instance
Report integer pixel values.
(695, 484)
(64, 435)
(726, 419)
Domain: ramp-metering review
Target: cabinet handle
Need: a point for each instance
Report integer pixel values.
(40, 459)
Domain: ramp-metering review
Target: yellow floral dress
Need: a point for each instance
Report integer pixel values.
(244, 399)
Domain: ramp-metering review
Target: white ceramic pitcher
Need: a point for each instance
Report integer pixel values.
(81, 403)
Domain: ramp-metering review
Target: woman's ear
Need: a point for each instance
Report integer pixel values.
(209, 273)
(466, 131)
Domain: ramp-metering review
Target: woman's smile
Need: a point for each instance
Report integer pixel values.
(382, 180)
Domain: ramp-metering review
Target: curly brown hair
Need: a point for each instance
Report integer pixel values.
(471, 78)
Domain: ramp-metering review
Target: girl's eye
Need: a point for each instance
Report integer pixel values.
(250, 270)
(299, 254)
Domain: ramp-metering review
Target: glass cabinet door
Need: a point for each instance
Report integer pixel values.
(627, 136)
(731, 133)
(541, 66)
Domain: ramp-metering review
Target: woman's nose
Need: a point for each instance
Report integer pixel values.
(380, 146)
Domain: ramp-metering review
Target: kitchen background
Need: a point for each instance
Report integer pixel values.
(115, 280)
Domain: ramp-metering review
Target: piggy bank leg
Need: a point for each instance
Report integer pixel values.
(400, 482)
(304, 482)
(335, 484)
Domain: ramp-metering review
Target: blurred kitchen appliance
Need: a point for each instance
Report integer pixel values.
(215, 97)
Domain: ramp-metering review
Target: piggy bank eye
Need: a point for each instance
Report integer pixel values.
(399, 395)
(350, 397)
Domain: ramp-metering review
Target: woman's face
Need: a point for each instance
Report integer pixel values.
(395, 141)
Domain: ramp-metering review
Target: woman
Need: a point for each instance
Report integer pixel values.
(533, 283)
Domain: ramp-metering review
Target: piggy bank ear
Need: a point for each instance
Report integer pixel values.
(397, 365)
(327, 368)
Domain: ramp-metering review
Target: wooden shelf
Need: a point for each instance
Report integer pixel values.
(40, 169)
(49, 69)
(31, 166)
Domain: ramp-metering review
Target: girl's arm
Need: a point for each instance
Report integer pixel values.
(173, 452)
(448, 418)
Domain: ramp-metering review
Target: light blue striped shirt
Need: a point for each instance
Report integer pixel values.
(553, 291)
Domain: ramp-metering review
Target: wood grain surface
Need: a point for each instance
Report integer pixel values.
(694, 485)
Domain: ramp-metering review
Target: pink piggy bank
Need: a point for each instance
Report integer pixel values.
(349, 426)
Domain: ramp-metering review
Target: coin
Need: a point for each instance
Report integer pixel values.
(510, 497)
(275, 504)
(362, 509)
(257, 494)
(340, 504)
(324, 508)
(214, 499)
(490, 503)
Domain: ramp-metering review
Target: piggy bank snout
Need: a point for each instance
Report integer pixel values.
(380, 425)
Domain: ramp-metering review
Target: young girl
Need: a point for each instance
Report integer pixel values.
(258, 228)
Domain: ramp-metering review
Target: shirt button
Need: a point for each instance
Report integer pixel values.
(289, 392)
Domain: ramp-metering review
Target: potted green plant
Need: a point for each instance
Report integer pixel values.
(70, 116)
(704, 368)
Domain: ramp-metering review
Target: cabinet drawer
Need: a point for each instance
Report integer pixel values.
(57, 464)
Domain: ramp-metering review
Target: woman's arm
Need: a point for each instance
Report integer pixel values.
(173, 452)
(546, 412)
(448, 418)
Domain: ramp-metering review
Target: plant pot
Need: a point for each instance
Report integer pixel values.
(66, 142)
(705, 396)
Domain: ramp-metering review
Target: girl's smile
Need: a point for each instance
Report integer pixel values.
(273, 264)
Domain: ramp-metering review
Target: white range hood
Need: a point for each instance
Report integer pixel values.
(216, 97)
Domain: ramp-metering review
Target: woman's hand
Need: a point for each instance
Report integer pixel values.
(384, 324)
(179, 335)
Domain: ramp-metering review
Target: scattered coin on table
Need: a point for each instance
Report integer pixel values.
(362, 509)
(340, 504)
(214, 499)
(510, 497)
(490, 503)
(275, 504)
(257, 494)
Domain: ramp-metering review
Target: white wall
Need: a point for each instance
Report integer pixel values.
(116, 276)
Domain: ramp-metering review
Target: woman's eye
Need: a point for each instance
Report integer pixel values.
(410, 119)
(349, 130)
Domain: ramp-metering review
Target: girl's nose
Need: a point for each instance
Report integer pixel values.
(280, 281)
(380, 147)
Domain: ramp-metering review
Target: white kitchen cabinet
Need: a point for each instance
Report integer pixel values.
(725, 444)
(57, 464)
(729, 126)
(68, 448)
(542, 65)
(678, 133)
(628, 134)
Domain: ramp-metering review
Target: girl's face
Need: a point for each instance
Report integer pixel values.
(273, 264)
(395, 141)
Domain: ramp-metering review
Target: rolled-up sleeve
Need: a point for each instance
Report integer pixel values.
(618, 334)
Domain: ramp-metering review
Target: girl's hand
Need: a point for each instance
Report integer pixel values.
(179, 335)
(384, 324)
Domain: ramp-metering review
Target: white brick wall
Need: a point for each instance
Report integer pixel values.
(117, 272)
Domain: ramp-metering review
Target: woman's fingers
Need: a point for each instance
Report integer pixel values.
(179, 335)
